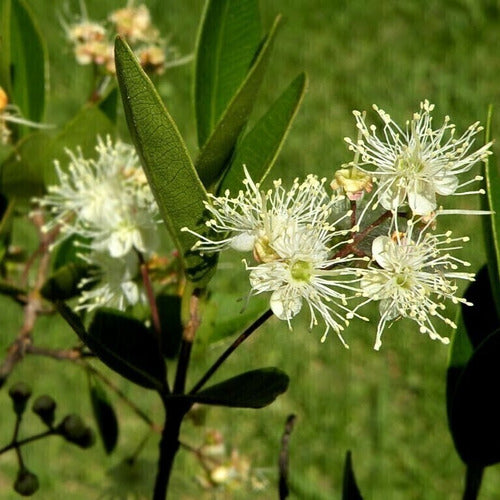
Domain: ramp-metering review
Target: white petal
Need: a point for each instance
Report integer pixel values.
(283, 305)
(422, 198)
(446, 185)
(243, 242)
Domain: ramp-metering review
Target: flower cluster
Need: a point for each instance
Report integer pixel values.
(92, 42)
(309, 249)
(106, 205)
(291, 235)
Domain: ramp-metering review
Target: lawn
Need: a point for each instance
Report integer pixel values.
(387, 407)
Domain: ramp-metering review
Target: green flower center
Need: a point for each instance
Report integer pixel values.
(301, 270)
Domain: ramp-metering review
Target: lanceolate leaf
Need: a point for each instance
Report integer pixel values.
(475, 413)
(104, 414)
(259, 148)
(171, 174)
(230, 32)
(5, 13)
(215, 153)
(474, 324)
(253, 389)
(122, 343)
(492, 222)
(28, 62)
(64, 283)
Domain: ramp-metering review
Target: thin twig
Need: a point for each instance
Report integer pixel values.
(283, 458)
(254, 326)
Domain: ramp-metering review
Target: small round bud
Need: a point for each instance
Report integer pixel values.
(74, 430)
(26, 483)
(45, 406)
(20, 393)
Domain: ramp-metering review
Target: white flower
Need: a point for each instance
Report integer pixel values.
(114, 282)
(106, 201)
(303, 272)
(412, 274)
(414, 165)
(254, 219)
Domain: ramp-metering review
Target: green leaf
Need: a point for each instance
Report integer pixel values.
(22, 173)
(222, 315)
(253, 389)
(475, 413)
(122, 343)
(350, 490)
(229, 35)
(259, 148)
(79, 134)
(30, 167)
(69, 250)
(108, 104)
(219, 146)
(64, 283)
(28, 62)
(474, 324)
(11, 290)
(166, 161)
(492, 222)
(5, 14)
(104, 414)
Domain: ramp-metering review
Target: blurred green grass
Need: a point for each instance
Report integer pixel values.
(388, 406)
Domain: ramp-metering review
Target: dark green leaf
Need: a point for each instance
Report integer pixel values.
(68, 251)
(481, 318)
(474, 324)
(491, 222)
(253, 389)
(475, 413)
(122, 343)
(28, 62)
(104, 415)
(64, 283)
(219, 146)
(169, 310)
(350, 490)
(259, 148)
(166, 161)
(230, 32)
(460, 352)
(10, 290)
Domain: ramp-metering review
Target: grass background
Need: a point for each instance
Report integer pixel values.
(387, 407)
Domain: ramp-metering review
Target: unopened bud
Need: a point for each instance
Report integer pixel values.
(45, 406)
(26, 482)
(20, 393)
(353, 182)
(74, 430)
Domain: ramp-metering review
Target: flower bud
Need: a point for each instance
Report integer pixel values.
(74, 430)
(45, 406)
(26, 482)
(353, 182)
(20, 393)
